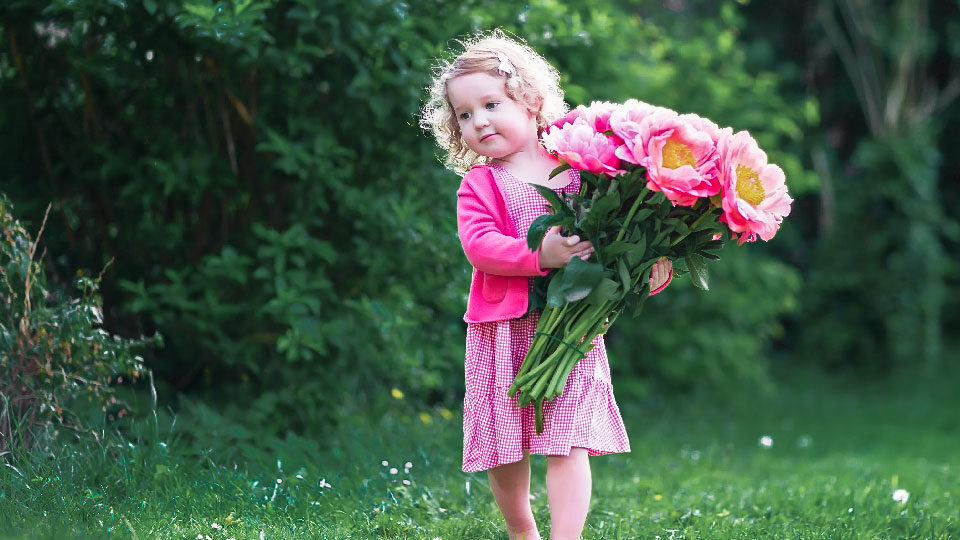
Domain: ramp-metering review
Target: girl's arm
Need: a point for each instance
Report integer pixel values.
(487, 248)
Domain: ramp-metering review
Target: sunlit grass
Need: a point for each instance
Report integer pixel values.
(821, 460)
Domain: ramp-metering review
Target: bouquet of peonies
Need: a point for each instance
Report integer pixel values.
(654, 184)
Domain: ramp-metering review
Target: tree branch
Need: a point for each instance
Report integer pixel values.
(848, 58)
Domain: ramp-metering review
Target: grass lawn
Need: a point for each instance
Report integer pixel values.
(836, 452)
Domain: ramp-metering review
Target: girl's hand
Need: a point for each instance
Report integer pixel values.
(660, 275)
(556, 251)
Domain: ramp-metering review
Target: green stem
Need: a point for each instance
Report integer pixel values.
(583, 334)
(521, 381)
(633, 210)
(538, 407)
(537, 391)
(548, 392)
(548, 320)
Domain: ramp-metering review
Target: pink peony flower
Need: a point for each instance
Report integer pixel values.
(626, 118)
(706, 125)
(568, 118)
(681, 160)
(596, 115)
(580, 145)
(755, 198)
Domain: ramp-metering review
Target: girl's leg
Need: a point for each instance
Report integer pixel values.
(568, 493)
(510, 484)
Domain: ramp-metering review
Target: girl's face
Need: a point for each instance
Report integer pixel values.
(491, 123)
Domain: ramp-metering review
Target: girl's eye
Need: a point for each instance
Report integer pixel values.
(464, 116)
(492, 104)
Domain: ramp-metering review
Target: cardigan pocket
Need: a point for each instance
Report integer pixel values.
(493, 287)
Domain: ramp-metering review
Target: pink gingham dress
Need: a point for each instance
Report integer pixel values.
(495, 430)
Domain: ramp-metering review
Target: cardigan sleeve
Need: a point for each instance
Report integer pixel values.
(486, 246)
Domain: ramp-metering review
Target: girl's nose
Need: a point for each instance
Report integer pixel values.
(481, 121)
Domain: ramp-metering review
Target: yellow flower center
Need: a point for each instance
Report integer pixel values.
(749, 186)
(676, 155)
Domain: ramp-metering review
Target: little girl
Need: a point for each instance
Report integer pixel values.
(487, 109)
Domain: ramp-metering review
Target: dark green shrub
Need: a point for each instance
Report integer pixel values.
(53, 351)
(260, 179)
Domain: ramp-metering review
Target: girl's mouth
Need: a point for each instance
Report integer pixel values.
(487, 136)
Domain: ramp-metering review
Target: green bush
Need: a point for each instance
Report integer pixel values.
(258, 174)
(686, 337)
(54, 353)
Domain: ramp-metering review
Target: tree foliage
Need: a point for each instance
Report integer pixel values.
(881, 283)
(256, 170)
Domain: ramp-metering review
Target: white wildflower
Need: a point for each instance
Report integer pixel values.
(901, 495)
(766, 441)
(216, 525)
(384, 463)
(324, 484)
(393, 470)
(406, 482)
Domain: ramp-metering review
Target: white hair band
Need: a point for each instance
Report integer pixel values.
(505, 67)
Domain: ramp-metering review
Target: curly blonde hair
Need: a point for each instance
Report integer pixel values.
(533, 82)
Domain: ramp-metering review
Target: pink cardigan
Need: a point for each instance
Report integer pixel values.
(501, 260)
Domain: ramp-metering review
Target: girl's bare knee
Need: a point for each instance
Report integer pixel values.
(575, 454)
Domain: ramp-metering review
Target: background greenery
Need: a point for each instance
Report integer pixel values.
(256, 173)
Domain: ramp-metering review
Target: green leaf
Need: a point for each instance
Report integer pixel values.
(618, 248)
(605, 291)
(624, 273)
(698, 270)
(633, 303)
(636, 254)
(590, 178)
(677, 224)
(600, 210)
(708, 255)
(538, 229)
(710, 243)
(563, 166)
(661, 237)
(554, 292)
(203, 11)
(642, 214)
(574, 282)
(709, 223)
(537, 296)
